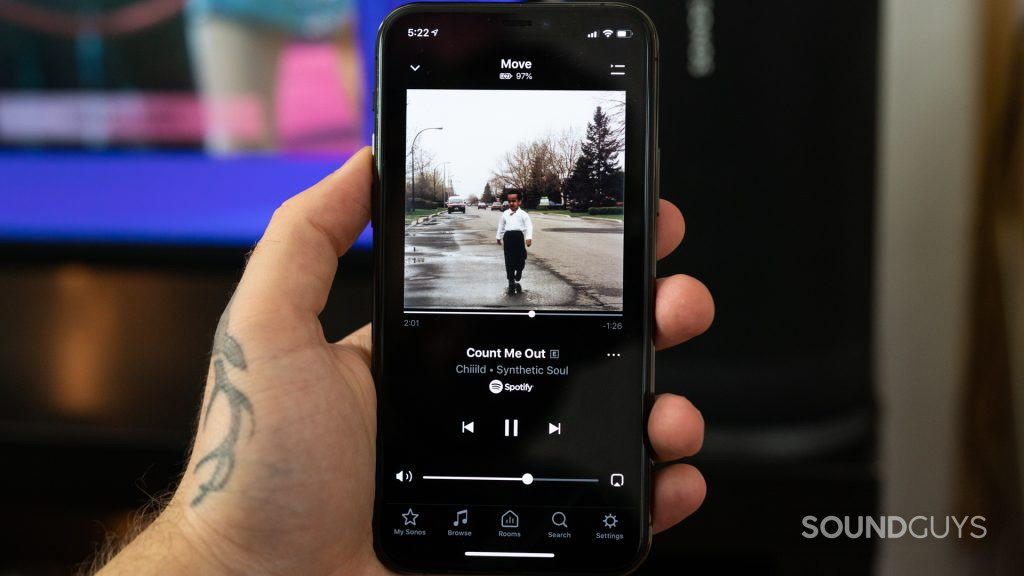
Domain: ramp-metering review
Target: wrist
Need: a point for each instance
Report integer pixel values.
(170, 545)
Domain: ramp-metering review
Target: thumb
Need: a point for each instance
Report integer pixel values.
(290, 272)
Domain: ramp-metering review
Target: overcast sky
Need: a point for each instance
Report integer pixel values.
(480, 126)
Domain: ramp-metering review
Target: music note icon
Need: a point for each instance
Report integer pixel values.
(461, 515)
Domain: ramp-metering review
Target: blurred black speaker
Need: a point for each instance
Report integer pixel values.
(768, 136)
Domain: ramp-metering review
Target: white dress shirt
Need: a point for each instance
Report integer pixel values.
(518, 220)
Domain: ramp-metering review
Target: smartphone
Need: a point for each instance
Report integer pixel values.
(515, 153)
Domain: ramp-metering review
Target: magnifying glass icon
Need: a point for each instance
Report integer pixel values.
(558, 519)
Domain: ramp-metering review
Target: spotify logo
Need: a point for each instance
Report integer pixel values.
(495, 386)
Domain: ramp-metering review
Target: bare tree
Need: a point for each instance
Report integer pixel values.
(514, 168)
(615, 109)
(426, 176)
(496, 185)
(566, 147)
(436, 185)
(532, 168)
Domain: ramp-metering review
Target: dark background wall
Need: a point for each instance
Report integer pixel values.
(770, 154)
(768, 131)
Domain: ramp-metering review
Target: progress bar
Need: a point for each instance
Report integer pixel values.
(529, 313)
(511, 554)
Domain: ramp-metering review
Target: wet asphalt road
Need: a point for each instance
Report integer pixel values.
(453, 261)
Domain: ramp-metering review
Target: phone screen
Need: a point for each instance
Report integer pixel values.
(512, 337)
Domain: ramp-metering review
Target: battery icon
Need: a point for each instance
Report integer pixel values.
(623, 33)
(505, 75)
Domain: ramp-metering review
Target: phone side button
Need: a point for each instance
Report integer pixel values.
(657, 180)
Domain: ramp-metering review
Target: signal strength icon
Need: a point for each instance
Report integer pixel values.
(608, 33)
(592, 34)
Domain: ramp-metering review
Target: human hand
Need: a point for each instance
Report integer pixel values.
(499, 241)
(281, 477)
(529, 243)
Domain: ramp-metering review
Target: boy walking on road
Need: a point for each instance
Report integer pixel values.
(516, 229)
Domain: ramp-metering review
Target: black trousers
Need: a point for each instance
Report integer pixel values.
(515, 253)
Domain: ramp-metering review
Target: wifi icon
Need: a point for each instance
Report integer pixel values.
(608, 33)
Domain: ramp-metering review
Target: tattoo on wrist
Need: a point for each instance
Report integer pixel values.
(228, 357)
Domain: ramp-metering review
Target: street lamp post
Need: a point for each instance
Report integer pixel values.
(444, 181)
(408, 206)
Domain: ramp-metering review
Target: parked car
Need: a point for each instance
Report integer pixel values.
(456, 203)
(481, 206)
(496, 206)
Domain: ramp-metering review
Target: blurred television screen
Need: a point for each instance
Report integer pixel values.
(174, 122)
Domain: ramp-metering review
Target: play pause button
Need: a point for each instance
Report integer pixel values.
(555, 428)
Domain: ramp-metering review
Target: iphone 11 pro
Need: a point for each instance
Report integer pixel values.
(515, 153)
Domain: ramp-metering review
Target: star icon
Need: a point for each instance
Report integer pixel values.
(410, 518)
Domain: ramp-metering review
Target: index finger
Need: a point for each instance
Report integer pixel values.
(292, 267)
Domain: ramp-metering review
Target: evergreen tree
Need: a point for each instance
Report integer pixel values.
(596, 178)
(488, 195)
(577, 190)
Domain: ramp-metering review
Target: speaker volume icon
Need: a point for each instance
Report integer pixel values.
(403, 476)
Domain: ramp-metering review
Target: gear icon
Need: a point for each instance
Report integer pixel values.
(610, 521)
